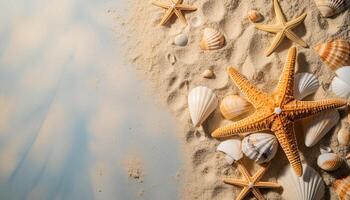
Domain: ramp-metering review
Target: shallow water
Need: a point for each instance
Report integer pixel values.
(72, 112)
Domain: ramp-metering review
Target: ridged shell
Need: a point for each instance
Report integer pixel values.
(254, 16)
(329, 161)
(232, 149)
(309, 186)
(329, 8)
(212, 39)
(342, 188)
(235, 107)
(335, 53)
(315, 127)
(305, 84)
(343, 136)
(201, 102)
(261, 147)
(341, 83)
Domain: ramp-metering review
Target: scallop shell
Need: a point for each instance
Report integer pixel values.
(261, 147)
(342, 188)
(329, 161)
(235, 107)
(304, 85)
(212, 39)
(309, 186)
(335, 53)
(341, 83)
(329, 8)
(315, 127)
(181, 40)
(232, 149)
(343, 136)
(201, 102)
(254, 16)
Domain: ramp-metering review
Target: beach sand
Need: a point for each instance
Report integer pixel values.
(172, 71)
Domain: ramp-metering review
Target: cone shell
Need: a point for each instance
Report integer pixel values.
(329, 161)
(329, 8)
(342, 188)
(212, 39)
(343, 136)
(254, 16)
(261, 147)
(235, 107)
(304, 85)
(315, 127)
(309, 186)
(335, 53)
(232, 149)
(201, 102)
(341, 83)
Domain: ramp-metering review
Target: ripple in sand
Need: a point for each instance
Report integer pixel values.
(214, 10)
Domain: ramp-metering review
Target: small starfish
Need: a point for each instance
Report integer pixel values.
(282, 29)
(174, 7)
(276, 112)
(251, 183)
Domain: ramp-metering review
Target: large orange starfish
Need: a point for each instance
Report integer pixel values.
(276, 112)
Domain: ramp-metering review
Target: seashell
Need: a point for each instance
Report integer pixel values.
(309, 186)
(325, 149)
(342, 188)
(344, 74)
(315, 127)
(235, 107)
(208, 73)
(261, 147)
(232, 149)
(329, 161)
(212, 39)
(254, 16)
(201, 102)
(329, 8)
(196, 21)
(181, 40)
(341, 83)
(343, 136)
(304, 85)
(335, 53)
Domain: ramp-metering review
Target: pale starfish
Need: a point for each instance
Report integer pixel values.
(251, 183)
(282, 29)
(174, 7)
(276, 112)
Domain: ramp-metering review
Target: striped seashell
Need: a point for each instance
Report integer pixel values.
(343, 136)
(235, 107)
(305, 84)
(232, 149)
(329, 8)
(254, 16)
(335, 53)
(342, 188)
(212, 39)
(341, 83)
(329, 161)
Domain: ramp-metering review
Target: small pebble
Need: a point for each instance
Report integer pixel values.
(208, 73)
(254, 16)
(181, 40)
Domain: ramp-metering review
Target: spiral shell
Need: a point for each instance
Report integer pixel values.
(235, 107)
(329, 161)
(232, 149)
(254, 16)
(212, 39)
(304, 85)
(342, 188)
(329, 8)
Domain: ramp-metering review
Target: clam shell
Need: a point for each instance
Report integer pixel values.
(309, 186)
(304, 85)
(212, 39)
(342, 188)
(335, 53)
(201, 102)
(344, 74)
(341, 83)
(235, 107)
(232, 149)
(329, 161)
(343, 136)
(181, 40)
(261, 147)
(315, 127)
(254, 16)
(329, 8)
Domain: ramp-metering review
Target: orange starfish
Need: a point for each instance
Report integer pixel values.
(251, 183)
(276, 112)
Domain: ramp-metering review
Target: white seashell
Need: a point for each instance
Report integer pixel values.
(208, 73)
(212, 39)
(201, 102)
(235, 107)
(344, 74)
(309, 186)
(181, 40)
(261, 147)
(340, 88)
(232, 149)
(325, 149)
(329, 8)
(342, 188)
(329, 161)
(315, 127)
(343, 137)
(304, 85)
(254, 16)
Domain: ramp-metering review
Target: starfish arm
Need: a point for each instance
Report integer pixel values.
(253, 123)
(285, 88)
(278, 11)
(167, 16)
(180, 15)
(275, 42)
(236, 182)
(160, 4)
(243, 170)
(284, 131)
(271, 28)
(260, 173)
(265, 184)
(186, 7)
(301, 109)
(250, 91)
(295, 22)
(291, 35)
(258, 194)
(243, 193)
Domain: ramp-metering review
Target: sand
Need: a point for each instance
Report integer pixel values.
(172, 71)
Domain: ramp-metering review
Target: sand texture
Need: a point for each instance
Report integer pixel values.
(172, 71)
